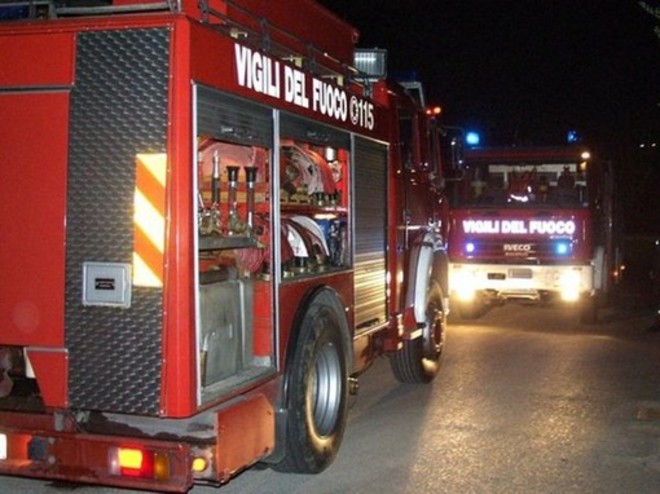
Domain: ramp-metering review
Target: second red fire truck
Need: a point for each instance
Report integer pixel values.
(532, 223)
(212, 224)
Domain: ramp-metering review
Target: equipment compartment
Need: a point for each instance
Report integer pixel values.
(226, 329)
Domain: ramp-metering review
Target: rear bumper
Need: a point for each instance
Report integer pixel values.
(31, 446)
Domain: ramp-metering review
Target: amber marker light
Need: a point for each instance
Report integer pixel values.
(199, 464)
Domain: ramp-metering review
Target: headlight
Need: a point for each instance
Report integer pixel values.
(463, 286)
(569, 286)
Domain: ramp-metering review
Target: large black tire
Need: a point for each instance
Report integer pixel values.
(419, 359)
(316, 392)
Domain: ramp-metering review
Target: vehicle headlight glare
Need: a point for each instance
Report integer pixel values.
(464, 287)
(570, 286)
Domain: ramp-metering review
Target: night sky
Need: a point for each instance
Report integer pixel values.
(527, 71)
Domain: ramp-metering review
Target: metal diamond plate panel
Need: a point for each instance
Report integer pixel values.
(118, 109)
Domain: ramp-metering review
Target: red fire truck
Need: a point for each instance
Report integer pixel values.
(532, 223)
(213, 222)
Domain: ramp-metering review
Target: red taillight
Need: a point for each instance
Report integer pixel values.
(138, 463)
(135, 463)
(15, 447)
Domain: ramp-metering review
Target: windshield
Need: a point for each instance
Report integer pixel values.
(519, 185)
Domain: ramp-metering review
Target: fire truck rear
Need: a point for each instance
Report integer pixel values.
(216, 215)
(532, 224)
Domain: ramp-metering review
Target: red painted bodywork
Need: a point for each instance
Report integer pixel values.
(32, 263)
(581, 240)
(38, 60)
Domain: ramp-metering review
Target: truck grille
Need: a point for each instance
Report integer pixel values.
(516, 251)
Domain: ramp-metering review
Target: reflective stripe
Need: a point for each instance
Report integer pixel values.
(149, 219)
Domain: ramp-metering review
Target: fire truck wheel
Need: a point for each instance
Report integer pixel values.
(317, 392)
(419, 359)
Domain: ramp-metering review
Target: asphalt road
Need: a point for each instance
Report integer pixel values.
(528, 401)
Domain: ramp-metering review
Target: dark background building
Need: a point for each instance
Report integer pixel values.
(527, 72)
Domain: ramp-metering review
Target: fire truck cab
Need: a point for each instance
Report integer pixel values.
(215, 217)
(532, 223)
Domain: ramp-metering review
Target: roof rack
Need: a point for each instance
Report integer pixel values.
(280, 39)
(105, 7)
(51, 9)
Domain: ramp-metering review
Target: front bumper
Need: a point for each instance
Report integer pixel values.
(506, 281)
